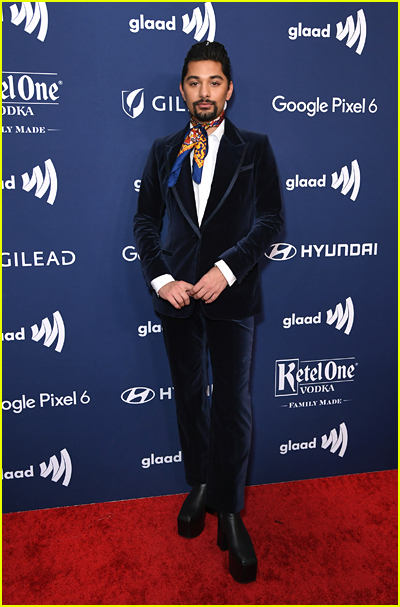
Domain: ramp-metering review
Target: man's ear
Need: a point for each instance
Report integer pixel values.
(182, 93)
(230, 91)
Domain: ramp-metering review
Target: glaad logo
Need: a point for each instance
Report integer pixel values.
(138, 396)
(353, 33)
(334, 441)
(49, 333)
(196, 22)
(48, 182)
(200, 25)
(11, 474)
(160, 103)
(312, 376)
(283, 251)
(166, 459)
(58, 469)
(342, 317)
(145, 330)
(32, 19)
(348, 181)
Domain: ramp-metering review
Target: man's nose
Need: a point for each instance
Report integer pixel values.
(204, 91)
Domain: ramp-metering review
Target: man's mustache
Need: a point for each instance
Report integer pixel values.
(204, 101)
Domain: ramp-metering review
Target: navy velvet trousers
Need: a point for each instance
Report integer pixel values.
(215, 440)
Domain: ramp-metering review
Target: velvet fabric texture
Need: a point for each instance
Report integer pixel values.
(215, 443)
(241, 218)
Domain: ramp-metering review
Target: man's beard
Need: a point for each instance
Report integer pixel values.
(202, 116)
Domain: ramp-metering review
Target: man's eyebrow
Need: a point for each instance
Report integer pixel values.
(210, 77)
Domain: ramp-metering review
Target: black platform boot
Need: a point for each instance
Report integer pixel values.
(233, 536)
(192, 516)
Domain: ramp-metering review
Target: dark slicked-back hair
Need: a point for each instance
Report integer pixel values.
(208, 51)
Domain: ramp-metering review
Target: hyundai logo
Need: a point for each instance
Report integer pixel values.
(281, 251)
(138, 396)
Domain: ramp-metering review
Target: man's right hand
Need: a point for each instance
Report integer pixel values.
(176, 293)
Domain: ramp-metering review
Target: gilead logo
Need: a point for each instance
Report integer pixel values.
(133, 103)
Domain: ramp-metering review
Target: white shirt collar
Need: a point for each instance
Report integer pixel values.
(219, 131)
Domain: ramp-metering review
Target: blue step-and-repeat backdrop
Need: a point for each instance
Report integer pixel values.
(88, 403)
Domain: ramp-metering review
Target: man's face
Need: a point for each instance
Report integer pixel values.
(205, 90)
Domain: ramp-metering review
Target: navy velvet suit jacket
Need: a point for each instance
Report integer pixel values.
(242, 216)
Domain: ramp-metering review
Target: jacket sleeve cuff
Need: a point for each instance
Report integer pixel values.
(160, 281)
(226, 271)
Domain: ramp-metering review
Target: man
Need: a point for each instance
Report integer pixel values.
(219, 188)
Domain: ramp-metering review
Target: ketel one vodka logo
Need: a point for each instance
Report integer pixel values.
(23, 92)
(312, 376)
(33, 18)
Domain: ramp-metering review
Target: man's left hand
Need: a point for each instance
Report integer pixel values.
(210, 286)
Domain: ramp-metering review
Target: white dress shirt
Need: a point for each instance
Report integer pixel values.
(201, 194)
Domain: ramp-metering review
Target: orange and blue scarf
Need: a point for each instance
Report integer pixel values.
(196, 138)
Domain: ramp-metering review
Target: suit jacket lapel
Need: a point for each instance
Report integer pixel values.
(230, 158)
(183, 189)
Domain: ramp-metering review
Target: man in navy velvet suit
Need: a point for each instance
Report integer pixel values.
(218, 186)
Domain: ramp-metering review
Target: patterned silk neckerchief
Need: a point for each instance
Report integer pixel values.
(196, 138)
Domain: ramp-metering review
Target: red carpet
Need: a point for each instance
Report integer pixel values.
(325, 541)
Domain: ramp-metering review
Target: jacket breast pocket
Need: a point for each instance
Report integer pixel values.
(248, 167)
